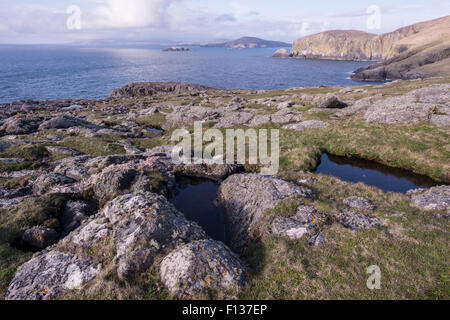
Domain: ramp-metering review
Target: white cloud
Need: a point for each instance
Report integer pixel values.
(127, 14)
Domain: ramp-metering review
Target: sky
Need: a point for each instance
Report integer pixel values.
(201, 21)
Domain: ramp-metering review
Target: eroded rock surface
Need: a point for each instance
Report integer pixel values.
(48, 274)
(247, 196)
(202, 265)
(436, 198)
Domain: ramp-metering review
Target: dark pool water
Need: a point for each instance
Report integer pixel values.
(371, 173)
(154, 130)
(195, 198)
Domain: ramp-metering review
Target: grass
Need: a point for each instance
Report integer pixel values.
(411, 249)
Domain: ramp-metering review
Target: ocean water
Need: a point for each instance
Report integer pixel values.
(57, 72)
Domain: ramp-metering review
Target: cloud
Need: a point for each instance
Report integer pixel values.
(226, 18)
(110, 14)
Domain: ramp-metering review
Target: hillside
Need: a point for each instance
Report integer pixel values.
(416, 51)
(337, 45)
(248, 43)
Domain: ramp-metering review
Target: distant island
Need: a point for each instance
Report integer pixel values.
(248, 43)
(417, 51)
(176, 49)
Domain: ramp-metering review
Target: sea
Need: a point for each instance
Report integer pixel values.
(74, 72)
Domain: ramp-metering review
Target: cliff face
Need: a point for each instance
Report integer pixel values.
(416, 51)
(337, 45)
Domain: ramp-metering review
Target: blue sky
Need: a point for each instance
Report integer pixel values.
(45, 21)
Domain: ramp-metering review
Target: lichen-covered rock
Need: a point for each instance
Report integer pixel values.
(288, 228)
(317, 240)
(135, 262)
(309, 124)
(247, 196)
(355, 221)
(328, 100)
(144, 89)
(39, 237)
(73, 167)
(21, 125)
(202, 265)
(55, 150)
(46, 182)
(419, 105)
(147, 219)
(64, 122)
(112, 183)
(232, 119)
(306, 214)
(73, 214)
(184, 117)
(359, 203)
(436, 198)
(49, 274)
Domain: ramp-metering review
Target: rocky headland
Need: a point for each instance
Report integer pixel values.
(85, 188)
(417, 51)
(248, 43)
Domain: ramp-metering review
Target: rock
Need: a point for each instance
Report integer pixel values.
(62, 151)
(135, 262)
(46, 182)
(282, 116)
(285, 104)
(281, 53)
(288, 228)
(215, 172)
(64, 122)
(306, 214)
(156, 88)
(73, 214)
(309, 124)
(176, 49)
(184, 117)
(49, 274)
(39, 237)
(436, 198)
(233, 119)
(111, 183)
(355, 221)
(359, 106)
(329, 100)
(73, 167)
(202, 265)
(440, 120)
(317, 240)
(90, 232)
(148, 220)
(21, 125)
(359, 203)
(346, 90)
(418, 105)
(247, 196)
(11, 160)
